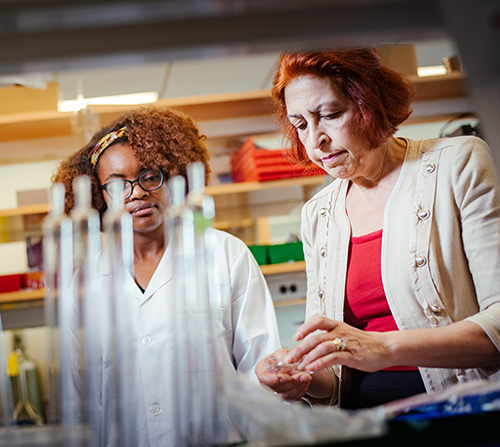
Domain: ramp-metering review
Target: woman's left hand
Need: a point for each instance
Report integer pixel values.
(339, 344)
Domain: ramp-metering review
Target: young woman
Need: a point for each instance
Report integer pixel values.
(143, 148)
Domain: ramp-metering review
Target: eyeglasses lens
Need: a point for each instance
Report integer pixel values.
(149, 181)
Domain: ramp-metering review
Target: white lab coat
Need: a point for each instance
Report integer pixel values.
(243, 315)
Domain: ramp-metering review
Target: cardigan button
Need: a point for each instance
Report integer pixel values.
(423, 214)
(323, 252)
(435, 309)
(322, 212)
(420, 261)
(430, 168)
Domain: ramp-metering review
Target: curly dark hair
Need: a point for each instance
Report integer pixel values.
(382, 97)
(160, 137)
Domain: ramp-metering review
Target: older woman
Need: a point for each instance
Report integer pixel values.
(402, 249)
(143, 148)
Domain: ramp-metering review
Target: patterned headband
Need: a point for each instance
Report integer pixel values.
(104, 143)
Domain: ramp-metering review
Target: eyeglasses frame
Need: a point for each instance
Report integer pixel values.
(133, 182)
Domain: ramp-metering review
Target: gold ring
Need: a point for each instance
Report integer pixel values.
(339, 344)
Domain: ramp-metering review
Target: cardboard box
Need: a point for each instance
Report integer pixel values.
(20, 99)
(401, 58)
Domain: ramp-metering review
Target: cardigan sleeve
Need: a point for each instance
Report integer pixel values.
(477, 195)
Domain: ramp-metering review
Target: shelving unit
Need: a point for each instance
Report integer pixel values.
(219, 115)
(241, 208)
(235, 200)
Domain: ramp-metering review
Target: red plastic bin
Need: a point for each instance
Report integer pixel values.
(10, 283)
(253, 164)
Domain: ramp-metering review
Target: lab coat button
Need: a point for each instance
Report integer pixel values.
(323, 252)
(146, 340)
(321, 294)
(322, 212)
(155, 409)
(430, 168)
(420, 261)
(423, 214)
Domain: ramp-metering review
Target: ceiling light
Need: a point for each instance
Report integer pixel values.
(431, 70)
(74, 105)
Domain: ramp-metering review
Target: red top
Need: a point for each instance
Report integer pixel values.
(366, 305)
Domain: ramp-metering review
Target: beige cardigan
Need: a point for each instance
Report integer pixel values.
(440, 256)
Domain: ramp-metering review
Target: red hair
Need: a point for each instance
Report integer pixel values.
(382, 97)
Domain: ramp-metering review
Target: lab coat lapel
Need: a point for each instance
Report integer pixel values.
(130, 287)
(163, 274)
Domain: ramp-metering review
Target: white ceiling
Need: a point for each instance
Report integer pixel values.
(173, 79)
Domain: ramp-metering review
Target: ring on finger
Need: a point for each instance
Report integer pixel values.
(339, 343)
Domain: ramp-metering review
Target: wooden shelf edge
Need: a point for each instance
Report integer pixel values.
(285, 267)
(243, 187)
(37, 294)
(291, 302)
(26, 296)
(42, 208)
(22, 295)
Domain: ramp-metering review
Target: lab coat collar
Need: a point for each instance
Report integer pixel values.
(163, 274)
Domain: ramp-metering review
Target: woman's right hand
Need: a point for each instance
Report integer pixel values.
(292, 385)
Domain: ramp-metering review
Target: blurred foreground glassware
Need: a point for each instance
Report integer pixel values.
(58, 268)
(85, 291)
(197, 380)
(118, 318)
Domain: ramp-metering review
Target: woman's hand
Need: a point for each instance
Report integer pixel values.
(339, 344)
(292, 385)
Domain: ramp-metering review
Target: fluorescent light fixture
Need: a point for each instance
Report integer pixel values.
(74, 105)
(431, 70)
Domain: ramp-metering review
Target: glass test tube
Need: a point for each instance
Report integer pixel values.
(211, 396)
(87, 287)
(124, 366)
(178, 377)
(58, 270)
(200, 422)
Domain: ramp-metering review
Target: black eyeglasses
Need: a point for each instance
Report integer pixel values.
(148, 181)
